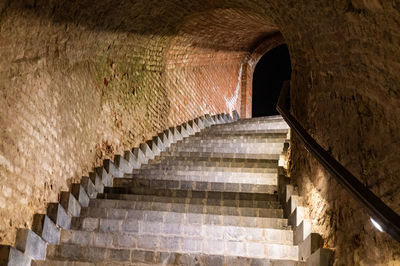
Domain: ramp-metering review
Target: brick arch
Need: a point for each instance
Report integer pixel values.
(249, 65)
(207, 55)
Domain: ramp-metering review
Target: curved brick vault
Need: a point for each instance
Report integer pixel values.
(83, 80)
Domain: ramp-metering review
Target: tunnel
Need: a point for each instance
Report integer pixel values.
(83, 81)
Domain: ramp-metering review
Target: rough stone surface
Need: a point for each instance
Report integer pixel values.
(81, 81)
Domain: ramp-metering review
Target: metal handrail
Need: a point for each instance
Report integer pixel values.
(379, 211)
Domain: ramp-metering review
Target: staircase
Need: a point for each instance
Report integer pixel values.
(211, 198)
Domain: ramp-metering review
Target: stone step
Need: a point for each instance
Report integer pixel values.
(193, 157)
(260, 119)
(273, 124)
(134, 193)
(84, 256)
(212, 132)
(136, 229)
(130, 224)
(213, 162)
(122, 213)
(194, 183)
(254, 148)
(211, 166)
(259, 176)
(110, 202)
(202, 234)
(166, 154)
(237, 139)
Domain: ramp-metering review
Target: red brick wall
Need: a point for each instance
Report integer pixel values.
(250, 64)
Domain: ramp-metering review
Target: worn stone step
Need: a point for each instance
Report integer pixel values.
(206, 167)
(181, 183)
(213, 162)
(83, 256)
(212, 132)
(269, 176)
(116, 201)
(121, 212)
(260, 119)
(133, 193)
(248, 145)
(166, 154)
(254, 148)
(230, 139)
(202, 234)
(130, 224)
(199, 179)
(272, 124)
(197, 157)
(153, 227)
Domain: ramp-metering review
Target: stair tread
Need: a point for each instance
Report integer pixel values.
(80, 256)
(93, 223)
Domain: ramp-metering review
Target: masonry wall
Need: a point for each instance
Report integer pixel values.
(83, 80)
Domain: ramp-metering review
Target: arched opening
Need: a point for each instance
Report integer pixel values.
(270, 72)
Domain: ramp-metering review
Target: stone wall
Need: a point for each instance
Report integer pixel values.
(83, 80)
(346, 93)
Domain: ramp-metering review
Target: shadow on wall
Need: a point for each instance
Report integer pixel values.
(270, 72)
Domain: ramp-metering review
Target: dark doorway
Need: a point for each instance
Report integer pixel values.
(270, 72)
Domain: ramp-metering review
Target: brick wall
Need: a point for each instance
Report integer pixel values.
(83, 80)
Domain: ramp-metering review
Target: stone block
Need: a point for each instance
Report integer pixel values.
(199, 122)
(80, 194)
(155, 150)
(176, 134)
(297, 216)
(293, 202)
(89, 187)
(140, 156)
(311, 244)
(10, 256)
(97, 181)
(189, 129)
(321, 257)
(122, 164)
(235, 115)
(31, 244)
(105, 177)
(302, 231)
(112, 169)
(164, 139)
(132, 160)
(43, 226)
(182, 131)
(59, 215)
(159, 143)
(70, 204)
(207, 121)
(144, 147)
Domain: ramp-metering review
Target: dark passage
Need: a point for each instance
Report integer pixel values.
(270, 72)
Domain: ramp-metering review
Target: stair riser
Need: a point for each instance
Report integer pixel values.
(267, 186)
(95, 224)
(125, 204)
(182, 208)
(223, 176)
(243, 166)
(179, 195)
(168, 154)
(179, 232)
(103, 256)
(253, 149)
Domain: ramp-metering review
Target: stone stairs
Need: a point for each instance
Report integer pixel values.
(207, 192)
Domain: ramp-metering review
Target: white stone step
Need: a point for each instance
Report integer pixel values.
(84, 256)
(212, 244)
